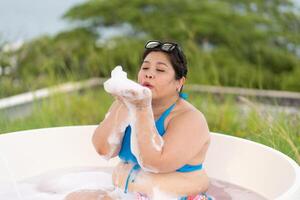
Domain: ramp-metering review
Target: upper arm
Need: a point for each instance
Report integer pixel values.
(184, 138)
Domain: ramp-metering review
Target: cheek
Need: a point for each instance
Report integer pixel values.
(172, 85)
(139, 76)
(165, 85)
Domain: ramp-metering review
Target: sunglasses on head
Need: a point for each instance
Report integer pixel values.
(166, 47)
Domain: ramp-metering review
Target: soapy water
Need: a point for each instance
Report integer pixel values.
(10, 174)
(57, 184)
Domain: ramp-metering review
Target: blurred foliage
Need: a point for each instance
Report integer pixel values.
(229, 42)
(74, 108)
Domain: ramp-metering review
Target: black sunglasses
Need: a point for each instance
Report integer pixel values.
(167, 47)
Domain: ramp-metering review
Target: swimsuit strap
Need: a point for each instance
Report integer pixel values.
(183, 95)
(134, 168)
(190, 168)
(165, 114)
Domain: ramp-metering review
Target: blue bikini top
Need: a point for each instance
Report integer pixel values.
(126, 155)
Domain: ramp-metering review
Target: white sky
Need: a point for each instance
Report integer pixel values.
(24, 19)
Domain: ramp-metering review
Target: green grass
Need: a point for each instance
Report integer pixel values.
(224, 115)
(62, 110)
(248, 120)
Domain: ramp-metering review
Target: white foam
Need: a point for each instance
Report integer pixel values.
(55, 185)
(116, 135)
(118, 194)
(113, 139)
(133, 138)
(76, 181)
(159, 195)
(134, 141)
(157, 145)
(119, 84)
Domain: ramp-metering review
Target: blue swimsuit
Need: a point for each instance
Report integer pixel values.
(126, 155)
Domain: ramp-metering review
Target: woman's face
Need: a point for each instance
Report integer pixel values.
(157, 74)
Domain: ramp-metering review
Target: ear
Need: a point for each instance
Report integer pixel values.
(182, 81)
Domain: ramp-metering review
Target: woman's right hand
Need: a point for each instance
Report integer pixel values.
(120, 108)
(119, 99)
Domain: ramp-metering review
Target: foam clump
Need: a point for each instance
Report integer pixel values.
(120, 85)
(159, 195)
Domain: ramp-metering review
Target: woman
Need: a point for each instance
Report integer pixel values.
(165, 146)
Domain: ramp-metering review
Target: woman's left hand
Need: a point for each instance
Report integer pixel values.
(138, 99)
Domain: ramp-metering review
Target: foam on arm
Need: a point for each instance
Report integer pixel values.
(120, 85)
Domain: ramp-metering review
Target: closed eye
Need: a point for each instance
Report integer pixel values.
(160, 70)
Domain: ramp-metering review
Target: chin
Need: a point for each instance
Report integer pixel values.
(154, 97)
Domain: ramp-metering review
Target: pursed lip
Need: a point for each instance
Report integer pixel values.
(147, 84)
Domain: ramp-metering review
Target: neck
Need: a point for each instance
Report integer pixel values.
(160, 105)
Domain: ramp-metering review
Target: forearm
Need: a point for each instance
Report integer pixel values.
(148, 140)
(109, 134)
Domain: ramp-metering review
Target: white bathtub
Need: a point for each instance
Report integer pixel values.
(248, 164)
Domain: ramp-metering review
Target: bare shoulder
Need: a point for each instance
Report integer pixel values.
(190, 117)
(186, 110)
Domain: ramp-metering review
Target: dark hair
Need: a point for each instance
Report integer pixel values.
(177, 58)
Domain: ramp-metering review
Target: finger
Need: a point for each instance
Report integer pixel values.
(129, 93)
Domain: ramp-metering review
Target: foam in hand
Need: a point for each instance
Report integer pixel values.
(119, 84)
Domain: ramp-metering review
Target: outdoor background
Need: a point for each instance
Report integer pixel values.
(237, 43)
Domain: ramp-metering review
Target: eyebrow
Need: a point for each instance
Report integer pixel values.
(158, 63)
(162, 63)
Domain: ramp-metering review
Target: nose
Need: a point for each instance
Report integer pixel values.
(150, 76)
